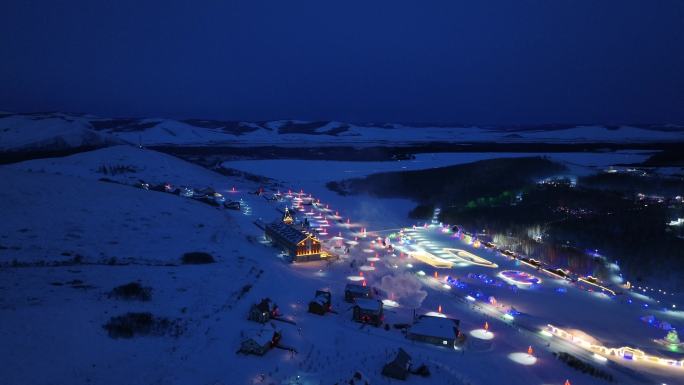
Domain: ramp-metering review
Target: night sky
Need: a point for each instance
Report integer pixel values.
(469, 62)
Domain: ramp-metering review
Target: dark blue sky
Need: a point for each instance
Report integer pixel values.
(514, 61)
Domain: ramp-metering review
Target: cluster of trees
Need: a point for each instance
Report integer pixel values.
(630, 183)
(455, 185)
(625, 230)
(600, 213)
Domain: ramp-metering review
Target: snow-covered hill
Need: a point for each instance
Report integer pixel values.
(51, 132)
(56, 130)
(134, 165)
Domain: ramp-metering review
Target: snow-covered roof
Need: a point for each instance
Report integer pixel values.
(290, 233)
(402, 360)
(321, 299)
(357, 288)
(435, 327)
(368, 304)
(266, 305)
(260, 336)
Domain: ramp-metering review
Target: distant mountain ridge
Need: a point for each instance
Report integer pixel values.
(55, 131)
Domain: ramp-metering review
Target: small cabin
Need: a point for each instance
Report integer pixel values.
(263, 311)
(322, 302)
(368, 311)
(435, 330)
(399, 368)
(354, 291)
(258, 342)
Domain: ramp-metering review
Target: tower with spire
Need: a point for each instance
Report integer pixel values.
(287, 217)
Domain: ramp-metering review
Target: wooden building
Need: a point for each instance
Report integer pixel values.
(321, 303)
(434, 330)
(299, 244)
(399, 368)
(263, 311)
(354, 291)
(258, 342)
(368, 311)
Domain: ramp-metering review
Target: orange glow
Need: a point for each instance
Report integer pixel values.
(436, 275)
(530, 351)
(486, 326)
(567, 382)
(439, 309)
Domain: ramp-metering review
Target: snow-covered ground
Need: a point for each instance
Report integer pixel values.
(51, 315)
(321, 171)
(141, 164)
(37, 131)
(53, 132)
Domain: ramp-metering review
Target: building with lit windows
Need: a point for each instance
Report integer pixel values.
(299, 244)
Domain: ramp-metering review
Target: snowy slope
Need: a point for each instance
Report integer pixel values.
(50, 217)
(142, 164)
(335, 133)
(36, 131)
(49, 132)
(164, 131)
